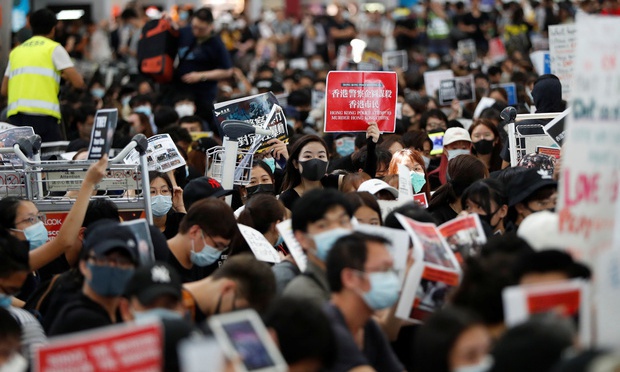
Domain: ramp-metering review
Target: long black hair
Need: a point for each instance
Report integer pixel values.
(292, 177)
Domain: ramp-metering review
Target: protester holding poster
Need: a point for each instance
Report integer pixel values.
(414, 161)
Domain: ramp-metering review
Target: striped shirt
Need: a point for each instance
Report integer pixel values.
(32, 332)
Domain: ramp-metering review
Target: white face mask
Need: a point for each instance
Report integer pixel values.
(485, 364)
(454, 153)
(185, 109)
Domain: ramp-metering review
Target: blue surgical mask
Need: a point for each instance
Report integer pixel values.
(207, 256)
(384, 290)
(325, 241)
(5, 301)
(97, 92)
(146, 110)
(35, 234)
(345, 146)
(427, 162)
(454, 153)
(125, 100)
(279, 241)
(141, 317)
(160, 205)
(108, 281)
(418, 180)
(271, 162)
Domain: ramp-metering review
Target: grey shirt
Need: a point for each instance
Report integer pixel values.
(312, 285)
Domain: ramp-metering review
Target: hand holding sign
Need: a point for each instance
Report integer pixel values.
(96, 171)
(373, 132)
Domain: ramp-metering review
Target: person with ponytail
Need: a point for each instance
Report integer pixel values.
(462, 171)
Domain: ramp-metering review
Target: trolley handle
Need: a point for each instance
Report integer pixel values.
(26, 147)
(138, 142)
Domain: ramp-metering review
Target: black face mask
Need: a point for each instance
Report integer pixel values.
(266, 188)
(303, 115)
(483, 147)
(488, 217)
(314, 169)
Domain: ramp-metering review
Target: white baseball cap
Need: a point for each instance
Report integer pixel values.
(374, 185)
(455, 134)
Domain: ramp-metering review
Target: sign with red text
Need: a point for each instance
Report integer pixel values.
(588, 187)
(356, 98)
(54, 220)
(114, 348)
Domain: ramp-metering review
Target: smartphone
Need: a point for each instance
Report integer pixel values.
(437, 139)
(242, 335)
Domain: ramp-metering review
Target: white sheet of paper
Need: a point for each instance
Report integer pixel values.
(399, 244)
(286, 230)
(260, 246)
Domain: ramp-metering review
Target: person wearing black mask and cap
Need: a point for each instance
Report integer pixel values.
(547, 94)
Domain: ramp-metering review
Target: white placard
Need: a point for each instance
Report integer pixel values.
(286, 230)
(432, 80)
(607, 300)
(562, 47)
(405, 190)
(260, 246)
(162, 154)
(399, 244)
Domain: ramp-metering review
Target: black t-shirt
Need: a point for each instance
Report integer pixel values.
(404, 42)
(341, 26)
(290, 196)
(195, 272)
(470, 20)
(80, 315)
(377, 351)
(173, 220)
(443, 213)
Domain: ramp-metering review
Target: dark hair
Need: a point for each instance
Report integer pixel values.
(83, 113)
(190, 119)
(292, 177)
(99, 209)
(43, 22)
(213, 216)
(266, 168)
(436, 338)
(155, 174)
(482, 192)
(506, 175)
(415, 140)
(432, 113)
(177, 134)
(364, 199)
(389, 140)
(304, 331)
(140, 99)
(348, 252)
(496, 160)
(204, 14)
(261, 211)
(353, 179)
(9, 206)
(128, 14)
(313, 205)
(255, 280)
(9, 326)
(145, 122)
(463, 171)
(502, 92)
(548, 261)
(411, 210)
(15, 255)
(165, 116)
(359, 158)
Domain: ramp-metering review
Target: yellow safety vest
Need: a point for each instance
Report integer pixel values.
(34, 82)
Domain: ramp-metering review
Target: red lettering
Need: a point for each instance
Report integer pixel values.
(585, 189)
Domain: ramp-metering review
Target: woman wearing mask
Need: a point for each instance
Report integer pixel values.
(446, 201)
(452, 340)
(488, 199)
(486, 144)
(530, 191)
(307, 165)
(261, 181)
(456, 141)
(365, 208)
(414, 161)
(166, 204)
(139, 123)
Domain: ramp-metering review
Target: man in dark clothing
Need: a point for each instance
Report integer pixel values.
(108, 259)
(547, 94)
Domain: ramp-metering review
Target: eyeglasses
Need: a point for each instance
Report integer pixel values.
(165, 191)
(33, 219)
(218, 246)
(119, 261)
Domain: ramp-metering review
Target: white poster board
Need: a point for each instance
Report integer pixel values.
(562, 47)
(260, 246)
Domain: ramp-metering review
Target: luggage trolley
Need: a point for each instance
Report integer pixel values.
(522, 144)
(49, 183)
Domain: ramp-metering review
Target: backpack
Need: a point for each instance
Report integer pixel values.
(157, 50)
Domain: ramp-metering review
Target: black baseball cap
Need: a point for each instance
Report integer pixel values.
(202, 188)
(526, 183)
(152, 281)
(105, 236)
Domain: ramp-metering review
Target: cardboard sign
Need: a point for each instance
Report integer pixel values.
(262, 249)
(115, 348)
(286, 230)
(562, 46)
(461, 88)
(393, 59)
(355, 99)
(103, 133)
(555, 128)
(433, 79)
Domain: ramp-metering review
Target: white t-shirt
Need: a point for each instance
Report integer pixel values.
(60, 58)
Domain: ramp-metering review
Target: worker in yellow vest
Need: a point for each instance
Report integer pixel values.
(32, 78)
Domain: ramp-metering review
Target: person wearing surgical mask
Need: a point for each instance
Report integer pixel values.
(167, 204)
(205, 233)
(453, 340)
(456, 141)
(414, 161)
(139, 123)
(185, 107)
(360, 272)
(320, 217)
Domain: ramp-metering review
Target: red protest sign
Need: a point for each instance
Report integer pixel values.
(114, 348)
(355, 98)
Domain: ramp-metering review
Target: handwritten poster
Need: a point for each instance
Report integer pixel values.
(562, 43)
(355, 98)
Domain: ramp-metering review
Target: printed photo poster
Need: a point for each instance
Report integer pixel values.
(395, 59)
(262, 249)
(562, 47)
(588, 186)
(570, 299)
(8, 138)
(433, 79)
(466, 50)
(142, 233)
(103, 133)
(356, 98)
(464, 235)
(123, 347)
(461, 88)
(162, 154)
(554, 152)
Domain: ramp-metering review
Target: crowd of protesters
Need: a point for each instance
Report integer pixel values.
(338, 314)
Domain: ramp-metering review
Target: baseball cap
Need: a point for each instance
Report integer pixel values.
(108, 235)
(152, 281)
(541, 230)
(202, 188)
(374, 185)
(526, 183)
(455, 134)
